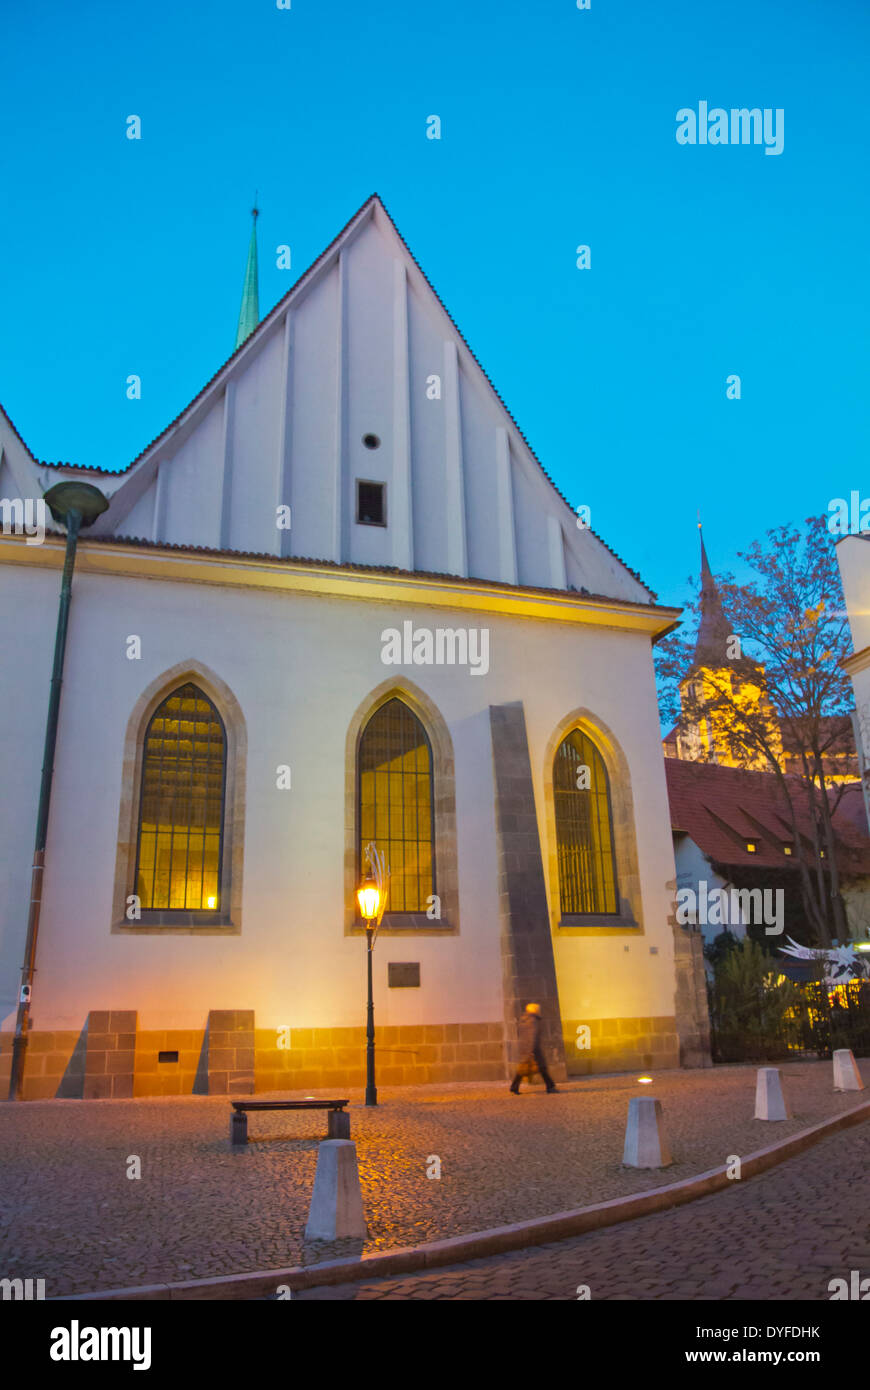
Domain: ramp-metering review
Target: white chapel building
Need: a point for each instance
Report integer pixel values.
(336, 602)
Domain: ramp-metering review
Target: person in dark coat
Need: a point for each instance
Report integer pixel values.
(532, 1057)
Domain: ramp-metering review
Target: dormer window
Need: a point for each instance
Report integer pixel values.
(751, 847)
(371, 503)
(787, 849)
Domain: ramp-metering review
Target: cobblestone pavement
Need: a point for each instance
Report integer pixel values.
(70, 1214)
(782, 1236)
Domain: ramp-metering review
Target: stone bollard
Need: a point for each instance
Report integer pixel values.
(336, 1203)
(846, 1074)
(238, 1127)
(645, 1143)
(769, 1099)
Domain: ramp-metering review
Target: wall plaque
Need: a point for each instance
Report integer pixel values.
(403, 974)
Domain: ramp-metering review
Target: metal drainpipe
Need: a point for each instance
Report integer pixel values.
(22, 1020)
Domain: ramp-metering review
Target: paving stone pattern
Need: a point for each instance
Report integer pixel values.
(69, 1213)
(781, 1237)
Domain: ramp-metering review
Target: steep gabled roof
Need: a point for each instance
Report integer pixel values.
(264, 328)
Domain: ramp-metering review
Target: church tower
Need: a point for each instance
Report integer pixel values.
(719, 678)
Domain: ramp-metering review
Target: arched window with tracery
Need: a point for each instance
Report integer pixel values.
(179, 846)
(584, 829)
(396, 804)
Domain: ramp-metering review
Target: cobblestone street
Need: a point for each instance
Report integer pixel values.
(783, 1236)
(72, 1216)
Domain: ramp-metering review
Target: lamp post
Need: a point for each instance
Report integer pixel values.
(369, 898)
(74, 504)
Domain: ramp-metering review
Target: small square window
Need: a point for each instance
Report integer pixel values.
(751, 847)
(786, 849)
(371, 503)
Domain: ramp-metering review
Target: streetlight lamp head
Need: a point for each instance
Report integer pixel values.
(369, 899)
(73, 496)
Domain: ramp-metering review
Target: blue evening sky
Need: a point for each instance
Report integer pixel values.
(121, 257)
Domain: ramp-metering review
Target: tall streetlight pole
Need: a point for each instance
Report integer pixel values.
(75, 504)
(369, 898)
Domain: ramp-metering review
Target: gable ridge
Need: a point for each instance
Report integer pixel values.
(363, 213)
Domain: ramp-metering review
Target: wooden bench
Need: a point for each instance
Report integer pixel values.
(338, 1120)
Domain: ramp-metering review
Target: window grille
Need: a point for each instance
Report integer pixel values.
(396, 805)
(181, 811)
(584, 829)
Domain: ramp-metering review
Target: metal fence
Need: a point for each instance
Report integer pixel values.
(819, 1021)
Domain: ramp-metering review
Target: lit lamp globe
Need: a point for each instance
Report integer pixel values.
(369, 899)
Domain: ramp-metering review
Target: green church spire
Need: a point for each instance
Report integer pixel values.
(249, 313)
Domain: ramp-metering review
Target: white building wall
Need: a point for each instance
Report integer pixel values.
(693, 868)
(299, 666)
(255, 455)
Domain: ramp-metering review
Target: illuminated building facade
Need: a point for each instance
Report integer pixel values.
(337, 601)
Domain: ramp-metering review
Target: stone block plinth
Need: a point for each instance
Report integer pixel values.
(336, 1202)
(231, 1052)
(646, 1144)
(110, 1054)
(846, 1074)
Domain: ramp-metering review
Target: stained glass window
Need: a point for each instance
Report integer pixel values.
(584, 829)
(178, 853)
(396, 804)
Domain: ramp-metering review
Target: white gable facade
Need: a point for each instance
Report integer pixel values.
(344, 538)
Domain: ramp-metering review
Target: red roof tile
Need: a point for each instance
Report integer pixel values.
(721, 808)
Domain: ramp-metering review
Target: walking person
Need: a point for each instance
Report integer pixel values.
(532, 1057)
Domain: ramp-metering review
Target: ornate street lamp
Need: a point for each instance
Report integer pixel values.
(372, 899)
(74, 504)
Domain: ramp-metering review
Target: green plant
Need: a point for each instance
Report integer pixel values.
(755, 1011)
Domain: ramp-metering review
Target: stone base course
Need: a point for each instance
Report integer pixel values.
(622, 1044)
(55, 1065)
(408, 1055)
(112, 1060)
(181, 1078)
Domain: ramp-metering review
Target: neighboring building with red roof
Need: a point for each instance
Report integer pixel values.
(734, 829)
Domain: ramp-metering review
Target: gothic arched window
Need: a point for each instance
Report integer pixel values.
(179, 843)
(396, 805)
(584, 829)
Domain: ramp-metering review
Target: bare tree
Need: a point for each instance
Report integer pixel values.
(780, 683)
